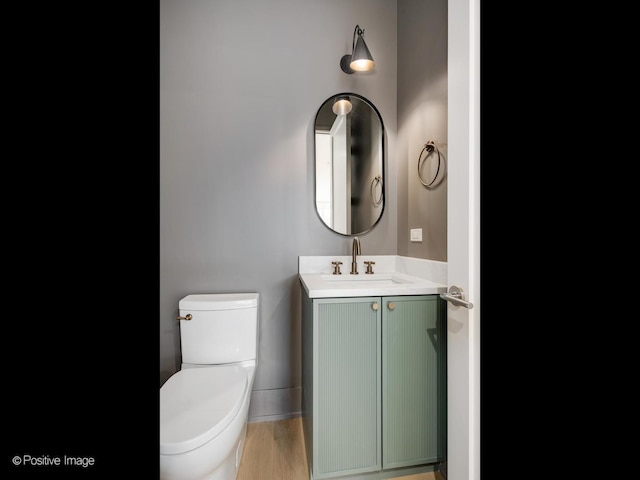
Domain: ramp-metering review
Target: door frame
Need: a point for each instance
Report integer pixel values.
(463, 240)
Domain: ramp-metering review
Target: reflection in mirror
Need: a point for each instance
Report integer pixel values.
(349, 163)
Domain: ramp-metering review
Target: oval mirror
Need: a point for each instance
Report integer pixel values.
(349, 163)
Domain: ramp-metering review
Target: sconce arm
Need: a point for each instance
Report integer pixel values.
(356, 31)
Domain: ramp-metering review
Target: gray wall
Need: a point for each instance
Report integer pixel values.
(422, 116)
(240, 84)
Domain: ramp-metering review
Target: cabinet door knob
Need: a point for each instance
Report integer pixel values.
(374, 306)
(392, 305)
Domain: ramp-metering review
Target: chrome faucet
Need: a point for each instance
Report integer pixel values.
(355, 251)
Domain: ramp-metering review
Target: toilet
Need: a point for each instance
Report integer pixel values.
(204, 406)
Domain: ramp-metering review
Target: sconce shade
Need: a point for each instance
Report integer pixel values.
(341, 106)
(360, 59)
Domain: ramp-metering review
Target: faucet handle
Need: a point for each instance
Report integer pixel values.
(368, 263)
(336, 267)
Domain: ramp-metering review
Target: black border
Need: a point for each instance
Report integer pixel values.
(82, 239)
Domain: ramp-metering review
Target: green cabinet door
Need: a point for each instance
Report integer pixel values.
(413, 380)
(346, 386)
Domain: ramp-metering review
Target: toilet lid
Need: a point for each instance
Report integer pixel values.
(196, 404)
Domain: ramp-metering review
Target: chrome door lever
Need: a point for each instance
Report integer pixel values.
(456, 296)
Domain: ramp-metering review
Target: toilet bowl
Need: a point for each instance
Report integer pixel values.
(204, 406)
(203, 417)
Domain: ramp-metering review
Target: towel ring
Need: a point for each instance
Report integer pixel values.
(377, 180)
(429, 147)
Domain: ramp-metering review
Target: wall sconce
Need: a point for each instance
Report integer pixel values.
(360, 59)
(341, 105)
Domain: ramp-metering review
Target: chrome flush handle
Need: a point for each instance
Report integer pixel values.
(187, 317)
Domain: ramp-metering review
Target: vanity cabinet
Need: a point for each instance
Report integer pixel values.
(374, 385)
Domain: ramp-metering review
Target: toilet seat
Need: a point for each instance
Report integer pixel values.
(196, 404)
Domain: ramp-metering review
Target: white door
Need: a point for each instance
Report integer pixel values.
(463, 240)
(341, 161)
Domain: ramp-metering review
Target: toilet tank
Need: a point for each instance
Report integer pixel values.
(223, 328)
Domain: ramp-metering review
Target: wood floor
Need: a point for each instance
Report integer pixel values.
(275, 451)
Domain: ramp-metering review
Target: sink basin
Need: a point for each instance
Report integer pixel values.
(374, 280)
(391, 276)
(324, 285)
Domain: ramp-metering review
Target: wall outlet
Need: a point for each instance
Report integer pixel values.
(416, 234)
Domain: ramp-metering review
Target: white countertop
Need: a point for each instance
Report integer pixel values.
(393, 275)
